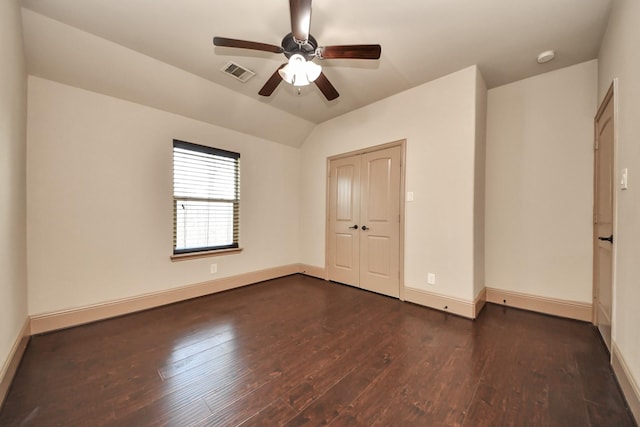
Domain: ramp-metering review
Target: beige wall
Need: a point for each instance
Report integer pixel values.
(619, 59)
(100, 199)
(438, 121)
(540, 184)
(13, 97)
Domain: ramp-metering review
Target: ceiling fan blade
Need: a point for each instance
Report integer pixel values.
(352, 51)
(272, 83)
(326, 87)
(300, 19)
(243, 44)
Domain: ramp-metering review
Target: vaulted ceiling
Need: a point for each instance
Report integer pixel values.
(421, 41)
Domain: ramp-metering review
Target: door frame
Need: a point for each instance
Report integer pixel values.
(402, 143)
(610, 96)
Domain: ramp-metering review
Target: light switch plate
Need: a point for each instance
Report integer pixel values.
(431, 279)
(624, 179)
(409, 196)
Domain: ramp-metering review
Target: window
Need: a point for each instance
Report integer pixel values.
(206, 198)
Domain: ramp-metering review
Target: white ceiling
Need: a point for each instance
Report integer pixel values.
(421, 41)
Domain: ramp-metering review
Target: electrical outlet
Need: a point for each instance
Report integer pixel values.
(214, 268)
(431, 279)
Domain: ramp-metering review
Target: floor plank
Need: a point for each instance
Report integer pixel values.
(301, 351)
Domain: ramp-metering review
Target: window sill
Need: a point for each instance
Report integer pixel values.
(204, 254)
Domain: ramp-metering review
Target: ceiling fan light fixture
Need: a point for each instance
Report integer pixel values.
(300, 72)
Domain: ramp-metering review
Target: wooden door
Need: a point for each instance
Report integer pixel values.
(603, 217)
(364, 220)
(344, 220)
(380, 219)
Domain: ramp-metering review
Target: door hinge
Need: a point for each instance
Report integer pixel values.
(596, 145)
(595, 219)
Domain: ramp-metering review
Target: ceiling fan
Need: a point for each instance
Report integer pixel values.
(301, 48)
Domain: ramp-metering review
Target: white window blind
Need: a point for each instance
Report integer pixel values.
(206, 198)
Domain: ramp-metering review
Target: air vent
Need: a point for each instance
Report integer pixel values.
(237, 71)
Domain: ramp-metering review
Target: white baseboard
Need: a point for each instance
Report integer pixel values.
(556, 307)
(10, 366)
(313, 271)
(456, 306)
(64, 319)
(628, 384)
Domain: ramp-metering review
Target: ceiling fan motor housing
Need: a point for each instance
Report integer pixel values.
(292, 47)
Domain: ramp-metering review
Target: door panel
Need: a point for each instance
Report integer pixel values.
(344, 212)
(378, 175)
(603, 302)
(345, 181)
(344, 251)
(380, 213)
(603, 224)
(378, 255)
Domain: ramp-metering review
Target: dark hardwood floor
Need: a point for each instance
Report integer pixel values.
(300, 351)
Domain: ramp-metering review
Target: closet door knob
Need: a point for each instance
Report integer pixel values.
(365, 228)
(354, 227)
